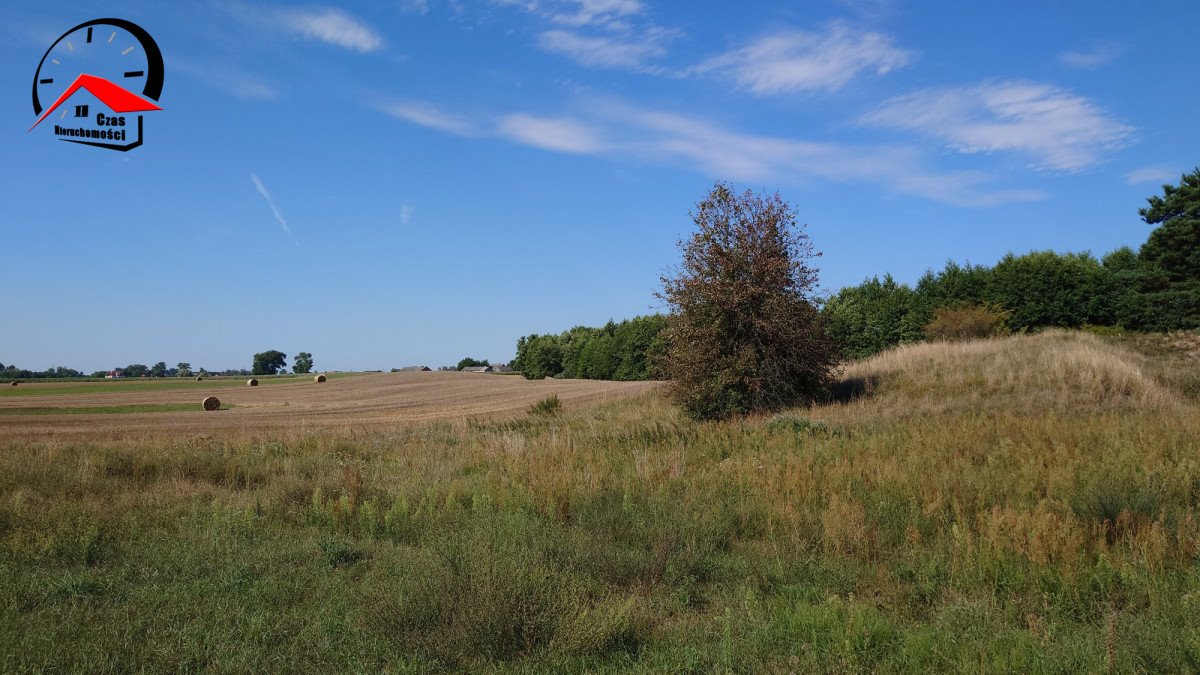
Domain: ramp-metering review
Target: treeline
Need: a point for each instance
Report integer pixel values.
(1021, 292)
(615, 351)
(11, 372)
(1156, 288)
(160, 369)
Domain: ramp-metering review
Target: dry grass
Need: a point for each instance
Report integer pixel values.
(1047, 530)
(1060, 371)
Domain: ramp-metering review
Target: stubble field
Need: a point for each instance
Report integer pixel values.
(138, 408)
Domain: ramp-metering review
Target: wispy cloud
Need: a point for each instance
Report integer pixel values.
(600, 33)
(1100, 55)
(611, 13)
(633, 51)
(551, 133)
(1059, 129)
(630, 132)
(690, 141)
(406, 214)
(331, 26)
(262, 190)
(1160, 174)
(428, 115)
(799, 61)
(414, 6)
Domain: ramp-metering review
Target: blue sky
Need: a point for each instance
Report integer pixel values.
(410, 182)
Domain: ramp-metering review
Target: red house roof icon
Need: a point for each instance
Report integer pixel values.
(118, 99)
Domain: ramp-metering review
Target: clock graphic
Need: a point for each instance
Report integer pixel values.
(114, 60)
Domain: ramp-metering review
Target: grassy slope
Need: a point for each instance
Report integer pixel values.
(1025, 504)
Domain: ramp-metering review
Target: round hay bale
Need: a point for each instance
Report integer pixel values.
(211, 403)
(14, 383)
(199, 378)
(252, 382)
(319, 378)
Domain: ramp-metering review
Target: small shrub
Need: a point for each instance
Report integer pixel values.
(547, 407)
(787, 422)
(339, 553)
(967, 322)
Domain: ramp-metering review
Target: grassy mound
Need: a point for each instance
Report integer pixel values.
(1056, 370)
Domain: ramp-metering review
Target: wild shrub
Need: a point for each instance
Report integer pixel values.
(967, 322)
(547, 407)
(744, 334)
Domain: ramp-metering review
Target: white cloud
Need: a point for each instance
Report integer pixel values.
(607, 51)
(670, 137)
(1160, 174)
(262, 190)
(1059, 129)
(586, 12)
(332, 26)
(599, 33)
(414, 6)
(406, 214)
(798, 61)
(551, 133)
(629, 132)
(429, 115)
(1101, 55)
(581, 12)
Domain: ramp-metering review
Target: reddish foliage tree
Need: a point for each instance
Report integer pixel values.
(744, 334)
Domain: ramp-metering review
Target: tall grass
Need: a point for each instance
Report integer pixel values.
(901, 530)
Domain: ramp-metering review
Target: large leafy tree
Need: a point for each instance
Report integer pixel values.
(1044, 288)
(1170, 257)
(744, 333)
(303, 363)
(269, 363)
(135, 370)
(469, 362)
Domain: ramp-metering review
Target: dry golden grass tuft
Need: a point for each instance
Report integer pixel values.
(1056, 370)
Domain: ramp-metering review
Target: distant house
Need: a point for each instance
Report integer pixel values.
(502, 369)
(478, 369)
(415, 369)
(112, 375)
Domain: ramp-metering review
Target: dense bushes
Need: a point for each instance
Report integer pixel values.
(875, 315)
(615, 351)
(966, 322)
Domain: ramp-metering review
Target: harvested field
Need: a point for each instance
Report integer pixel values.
(373, 401)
